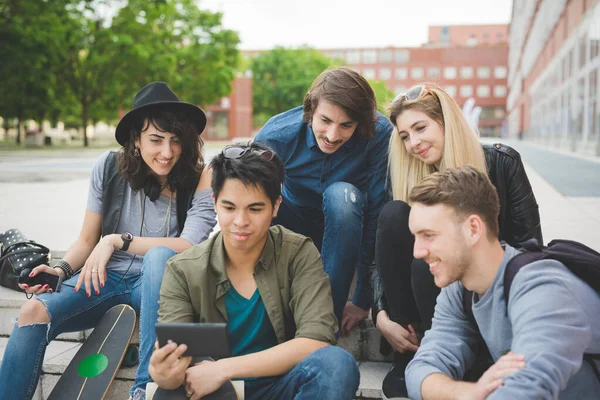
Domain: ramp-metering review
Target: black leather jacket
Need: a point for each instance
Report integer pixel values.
(519, 218)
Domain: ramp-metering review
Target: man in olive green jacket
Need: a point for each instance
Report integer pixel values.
(267, 283)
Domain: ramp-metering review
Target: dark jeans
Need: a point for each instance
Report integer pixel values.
(337, 231)
(408, 285)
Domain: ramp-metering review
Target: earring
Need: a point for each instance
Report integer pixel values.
(136, 152)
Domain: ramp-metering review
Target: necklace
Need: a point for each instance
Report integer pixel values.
(166, 225)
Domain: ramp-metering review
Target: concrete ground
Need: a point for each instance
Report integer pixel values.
(46, 196)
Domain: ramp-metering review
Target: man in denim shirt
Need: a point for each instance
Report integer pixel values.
(335, 151)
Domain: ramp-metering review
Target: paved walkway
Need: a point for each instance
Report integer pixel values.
(46, 197)
(567, 189)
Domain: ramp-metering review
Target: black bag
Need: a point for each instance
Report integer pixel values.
(577, 257)
(17, 254)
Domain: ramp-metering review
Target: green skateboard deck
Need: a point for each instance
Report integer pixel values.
(92, 370)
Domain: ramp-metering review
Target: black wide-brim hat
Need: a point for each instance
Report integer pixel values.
(153, 94)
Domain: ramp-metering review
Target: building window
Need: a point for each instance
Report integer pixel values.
(385, 74)
(582, 51)
(483, 72)
(417, 73)
(386, 56)
(499, 91)
(466, 91)
(353, 57)
(401, 73)
(500, 72)
(370, 56)
(337, 55)
(472, 41)
(433, 73)
(483, 91)
(466, 72)
(451, 90)
(402, 56)
(400, 89)
(369, 73)
(594, 37)
(450, 72)
(445, 35)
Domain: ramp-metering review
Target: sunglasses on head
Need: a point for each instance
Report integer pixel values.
(234, 152)
(412, 94)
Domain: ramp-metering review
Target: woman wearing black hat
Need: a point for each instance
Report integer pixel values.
(147, 202)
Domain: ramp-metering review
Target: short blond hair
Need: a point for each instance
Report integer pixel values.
(466, 189)
(461, 143)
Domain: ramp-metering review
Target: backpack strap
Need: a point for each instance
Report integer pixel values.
(184, 199)
(113, 190)
(591, 359)
(530, 251)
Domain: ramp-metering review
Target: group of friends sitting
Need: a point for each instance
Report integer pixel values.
(411, 203)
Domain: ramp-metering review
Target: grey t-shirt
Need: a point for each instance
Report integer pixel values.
(199, 223)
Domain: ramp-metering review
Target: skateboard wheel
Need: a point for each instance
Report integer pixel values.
(131, 357)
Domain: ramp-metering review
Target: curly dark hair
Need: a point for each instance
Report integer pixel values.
(170, 119)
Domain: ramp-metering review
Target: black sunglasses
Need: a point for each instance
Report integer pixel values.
(234, 152)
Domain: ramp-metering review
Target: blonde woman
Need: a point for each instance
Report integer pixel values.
(431, 134)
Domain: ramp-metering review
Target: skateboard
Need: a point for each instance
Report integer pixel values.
(225, 392)
(92, 370)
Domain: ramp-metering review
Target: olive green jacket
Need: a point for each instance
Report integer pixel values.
(290, 279)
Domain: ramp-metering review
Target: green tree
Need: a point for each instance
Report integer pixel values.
(282, 76)
(176, 42)
(383, 95)
(31, 34)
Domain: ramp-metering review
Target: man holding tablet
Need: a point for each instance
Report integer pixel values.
(267, 283)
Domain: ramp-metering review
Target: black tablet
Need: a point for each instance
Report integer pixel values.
(202, 339)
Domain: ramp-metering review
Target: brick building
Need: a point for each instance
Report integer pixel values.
(467, 60)
(554, 73)
(231, 117)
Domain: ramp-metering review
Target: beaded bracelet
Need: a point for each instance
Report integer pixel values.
(66, 268)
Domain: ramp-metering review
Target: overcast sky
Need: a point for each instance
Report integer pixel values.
(263, 24)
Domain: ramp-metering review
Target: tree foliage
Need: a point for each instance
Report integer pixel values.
(281, 78)
(383, 95)
(69, 58)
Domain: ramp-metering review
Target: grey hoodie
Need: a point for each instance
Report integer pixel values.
(553, 319)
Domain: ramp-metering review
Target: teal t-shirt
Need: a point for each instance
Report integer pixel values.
(248, 324)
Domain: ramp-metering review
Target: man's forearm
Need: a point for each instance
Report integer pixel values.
(271, 362)
(441, 387)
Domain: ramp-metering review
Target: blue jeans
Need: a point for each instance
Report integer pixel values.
(337, 231)
(329, 373)
(73, 312)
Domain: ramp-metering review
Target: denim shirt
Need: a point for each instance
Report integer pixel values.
(361, 161)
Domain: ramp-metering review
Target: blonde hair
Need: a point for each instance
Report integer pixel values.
(461, 143)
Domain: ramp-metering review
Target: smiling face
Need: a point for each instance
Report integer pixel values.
(441, 240)
(423, 138)
(244, 214)
(332, 127)
(159, 150)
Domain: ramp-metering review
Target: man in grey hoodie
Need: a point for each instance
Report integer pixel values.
(552, 318)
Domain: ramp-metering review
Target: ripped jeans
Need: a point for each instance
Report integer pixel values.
(73, 312)
(337, 231)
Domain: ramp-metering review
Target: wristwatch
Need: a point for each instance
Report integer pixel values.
(126, 237)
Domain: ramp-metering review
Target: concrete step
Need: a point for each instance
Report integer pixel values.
(362, 343)
(60, 353)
